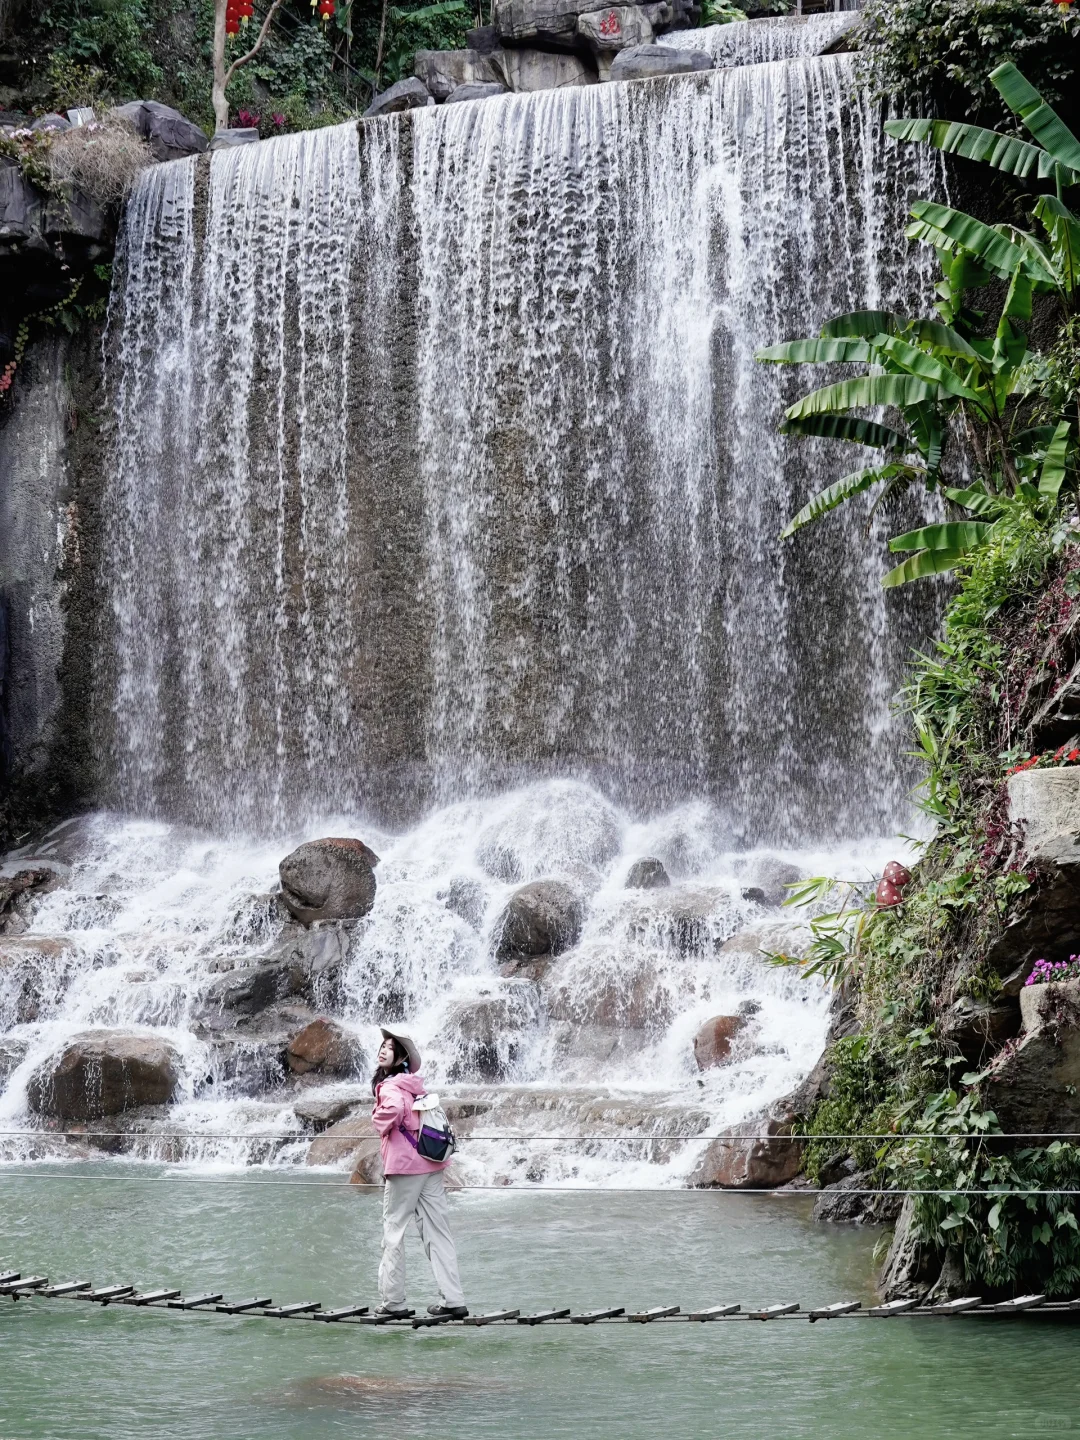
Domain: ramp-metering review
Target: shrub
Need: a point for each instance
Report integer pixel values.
(101, 159)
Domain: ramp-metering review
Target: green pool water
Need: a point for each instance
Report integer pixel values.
(70, 1369)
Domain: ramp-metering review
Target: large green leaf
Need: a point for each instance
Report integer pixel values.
(951, 229)
(926, 562)
(837, 493)
(958, 535)
(848, 427)
(1004, 152)
(1064, 230)
(943, 338)
(1045, 124)
(806, 352)
(927, 367)
(976, 500)
(858, 324)
(1056, 465)
(899, 390)
(926, 427)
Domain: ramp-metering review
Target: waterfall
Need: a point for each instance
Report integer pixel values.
(442, 461)
(781, 37)
(444, 509)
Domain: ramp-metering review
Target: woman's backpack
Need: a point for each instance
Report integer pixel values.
(434, 1140)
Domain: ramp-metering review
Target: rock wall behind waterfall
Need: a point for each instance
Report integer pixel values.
(442, 461)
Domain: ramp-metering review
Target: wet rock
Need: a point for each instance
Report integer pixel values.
(19, 888)
(549, 829)
(21, 205)
(753, 1155)
(644, 62)
(1044, 923)
(52, 121)
(629, 995)
(466, 899)
(12, 1054)
(230, 139)
(767, 879)
(249, 990)
(342, 1142)
(104, 1072)
(647, 874)
(367, 1168)
(244, 1063)
(35, 970)
(486, 1035)
(169, 134)
(786, 937)
(316, 959)
(410, 94)
(977, 1027)
(1034, 1082)
(330, 879)
(712, 1043)
(838, 1204)
(542, 918)
(325, 1046)
(619, 27)
(594, 1045)
(320, 1111)
(478, 90)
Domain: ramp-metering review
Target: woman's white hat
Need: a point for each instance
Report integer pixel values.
(407, 1045)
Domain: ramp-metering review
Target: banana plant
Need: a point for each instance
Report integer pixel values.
(932, 372)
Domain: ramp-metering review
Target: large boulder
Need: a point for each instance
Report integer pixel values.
(1044, 805)
(410, 94)
(647, 874)
(755, 1155)
(1034, 1086)
(19, 887)
(169, 134)
(626, 994)
(249, 989)
(477, 90)
(34, 970)
(105, 1072)
(542, 918)
(528, 70)
(320, 1110)
(910, 1267)
(978, 1027)
(619, 27)
(766, 878)
(327, 1047)
(342, 1142)
(712, 1043)
(551, 22)
(485, 1035)
(645, 62)
(841, 1203)
(332, 879)
(443, 71)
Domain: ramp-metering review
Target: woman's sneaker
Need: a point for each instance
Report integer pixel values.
(455, 1312)
(398, 1312)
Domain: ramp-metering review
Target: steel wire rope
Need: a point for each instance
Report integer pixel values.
(527, 1188)
(513, 1138)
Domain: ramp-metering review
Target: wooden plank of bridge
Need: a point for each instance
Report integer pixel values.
(283, 1312)
(590, 1317)
(194, 1302)
(491, 1317)
(67, 1287)
(1014, 1307)
(771, 1312)
(892, 1307)
(644, 1317)
(830, 1312)
(6, 1276)
(540, 1317)
(956, 1307)
(237, 1307)
(346, 1312)
(151, 1297)
(32, 1282)
(107, 1293)
(423, 1322)
(714, 1312)
(384, 1319)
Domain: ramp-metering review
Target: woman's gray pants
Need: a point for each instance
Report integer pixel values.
(423, 1198)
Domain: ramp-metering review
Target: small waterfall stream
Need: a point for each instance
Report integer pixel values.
(444, 507)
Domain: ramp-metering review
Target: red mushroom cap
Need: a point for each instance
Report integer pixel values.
(887, 894)
(896, 874)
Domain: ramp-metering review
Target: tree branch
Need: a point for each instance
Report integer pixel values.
(243, 59)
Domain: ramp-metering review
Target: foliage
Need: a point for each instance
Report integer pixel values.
(945, 49)
(720, 12)
(441, 26)
(944, 376)
(103, 42)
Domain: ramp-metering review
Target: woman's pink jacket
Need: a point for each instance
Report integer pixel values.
(393, 1108)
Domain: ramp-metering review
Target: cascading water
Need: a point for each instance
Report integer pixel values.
(446, 485)
(784, 37)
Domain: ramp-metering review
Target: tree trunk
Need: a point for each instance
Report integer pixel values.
(379, 49)
(221, 105)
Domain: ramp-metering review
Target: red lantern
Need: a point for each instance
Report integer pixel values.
(887, 895)
(326, 9)
(232, 25)
(896, 874)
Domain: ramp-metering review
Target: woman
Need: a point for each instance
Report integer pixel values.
(414, 1186)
